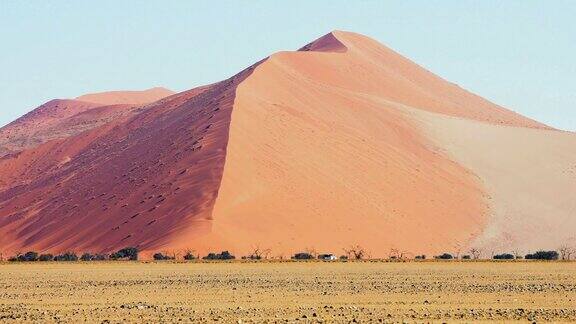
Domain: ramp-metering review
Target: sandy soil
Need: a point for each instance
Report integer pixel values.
(289, 292)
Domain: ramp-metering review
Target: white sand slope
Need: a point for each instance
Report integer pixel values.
(529, 175)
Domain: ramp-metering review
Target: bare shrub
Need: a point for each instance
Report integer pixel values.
(355, 252)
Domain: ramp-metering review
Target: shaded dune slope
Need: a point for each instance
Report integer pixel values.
(137, 181)
(60, 118)
(29, 130)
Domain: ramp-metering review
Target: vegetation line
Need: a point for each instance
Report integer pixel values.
(353, 253)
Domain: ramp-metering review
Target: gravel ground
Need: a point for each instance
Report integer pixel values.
(310, 292)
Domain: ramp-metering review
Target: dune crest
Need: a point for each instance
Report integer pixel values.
(326, 43)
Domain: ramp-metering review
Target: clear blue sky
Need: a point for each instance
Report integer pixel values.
(517, 53)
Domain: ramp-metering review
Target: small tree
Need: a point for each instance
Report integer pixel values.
(312, 252)
(258, 253)
(161, 256)
(303, 256)
(29, 256)
(475, 252)
(189, 255)
(355, 252)
(566, 252)
(86, 257)
(543, 255)
(129, 253)
(66, 256)
(46, 257)
(99, 257)
(444, 256)
(224, 255)
(503, 256)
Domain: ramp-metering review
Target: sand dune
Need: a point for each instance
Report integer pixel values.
(127, 97)
(60, 118)
(343, 142)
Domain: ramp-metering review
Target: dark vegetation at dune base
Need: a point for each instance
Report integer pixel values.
(356, 253)
(224, 255)
(129, 253)
(543, 255)
(504, 256)
(161, 256)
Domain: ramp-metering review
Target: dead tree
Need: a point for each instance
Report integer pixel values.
(258, 253)
(475, 253)
(566, 252)
(189, 255)
(355, 252)
(312, 252)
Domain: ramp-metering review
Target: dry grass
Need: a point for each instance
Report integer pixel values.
(288, 291)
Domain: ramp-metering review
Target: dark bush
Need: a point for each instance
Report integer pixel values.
(46, 257)
(189, 256)
(503, 256)
(129, 253)
(93, 257)
(87, 257)
(420, 257)
(160, 256)
(543, 255)
(466, 257)
(302, 256)
(225, 255)
(211, 256)
(30, 256)
(66, 256)
(444, 256)
(343, 257)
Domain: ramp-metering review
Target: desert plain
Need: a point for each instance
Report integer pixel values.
(286, 291)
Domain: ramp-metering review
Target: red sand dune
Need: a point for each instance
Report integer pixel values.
(343, 142)
(61, 118)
